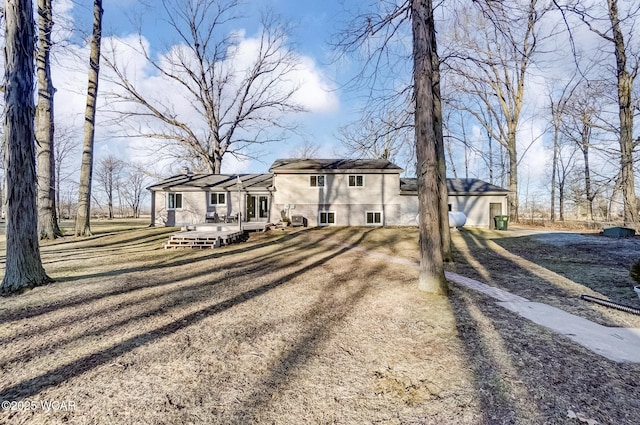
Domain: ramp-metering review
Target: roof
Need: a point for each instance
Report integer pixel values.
(226, 182)
(329, 165)
(458, 186)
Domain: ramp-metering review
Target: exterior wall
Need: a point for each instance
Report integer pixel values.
(475, 207)
(294, 196)
(195, 206)
(409, 210)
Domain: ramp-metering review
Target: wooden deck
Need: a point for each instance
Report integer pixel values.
(212, 235)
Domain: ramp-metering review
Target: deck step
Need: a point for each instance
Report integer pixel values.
(202, 241)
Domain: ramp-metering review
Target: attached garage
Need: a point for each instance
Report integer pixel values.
(478, 200)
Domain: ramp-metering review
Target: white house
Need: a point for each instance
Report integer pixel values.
(325, 192)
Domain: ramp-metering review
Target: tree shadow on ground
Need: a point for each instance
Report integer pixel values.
(482, 259)
(169, 262)
(525, 373)
(30, 387)
(163, 293)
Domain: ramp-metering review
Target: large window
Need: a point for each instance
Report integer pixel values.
(356, 180)
(327, 218)
(316, 181)
(217, 198)
(174, 201)
(374, 218)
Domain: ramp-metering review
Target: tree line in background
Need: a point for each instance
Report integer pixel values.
(507, 66)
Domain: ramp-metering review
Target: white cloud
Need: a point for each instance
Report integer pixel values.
(315, 92)
(70, 73)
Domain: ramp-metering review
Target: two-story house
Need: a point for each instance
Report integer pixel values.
(326, 192)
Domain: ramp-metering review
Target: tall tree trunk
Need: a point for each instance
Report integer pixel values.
(23, 264)
(445, 231)
(561, 200)
(557, 120)
(625, 88)
(47, 214)
(586, 132)
(431, 277)
(513, 176)
(554, 173)
(83, 227)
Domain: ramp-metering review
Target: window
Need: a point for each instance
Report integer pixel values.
(217, 198)
(316, 181)
(374, 218)
(356, 181)
(327, 218)
(174, 201)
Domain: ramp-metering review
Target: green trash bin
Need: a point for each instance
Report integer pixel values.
(502, 222)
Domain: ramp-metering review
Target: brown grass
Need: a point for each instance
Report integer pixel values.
(303, 326)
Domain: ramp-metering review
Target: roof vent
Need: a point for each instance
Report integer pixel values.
(187, 171)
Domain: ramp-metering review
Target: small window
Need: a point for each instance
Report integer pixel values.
(174, 201)
(327, 218)
(316, 181)
(217, 198)
(374, 218)
(356, 181)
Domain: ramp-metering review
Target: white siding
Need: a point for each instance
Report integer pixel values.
(381, 192)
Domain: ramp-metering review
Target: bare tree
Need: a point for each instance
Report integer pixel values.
(494, 46)
(83, 226)
(375, 36)
(616, 28)
(558, 104)
(23, 263)
(65, 147)
(108, 174)
(236, 106)
(306, 151)
(47, 214)
(382, 134)
(429, 146)
(580, 121)
(565, 168)
(378, 37)
(133, 188)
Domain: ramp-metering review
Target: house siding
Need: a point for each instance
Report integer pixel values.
(289, 193)
(346, 214)
(195, 205)
(294, 196)
(476, 208)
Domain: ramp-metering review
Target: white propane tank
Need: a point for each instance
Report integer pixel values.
(456, 219)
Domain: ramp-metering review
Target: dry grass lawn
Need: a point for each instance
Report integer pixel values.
(303, 326)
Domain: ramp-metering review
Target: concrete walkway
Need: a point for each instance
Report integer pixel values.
(617, 344)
